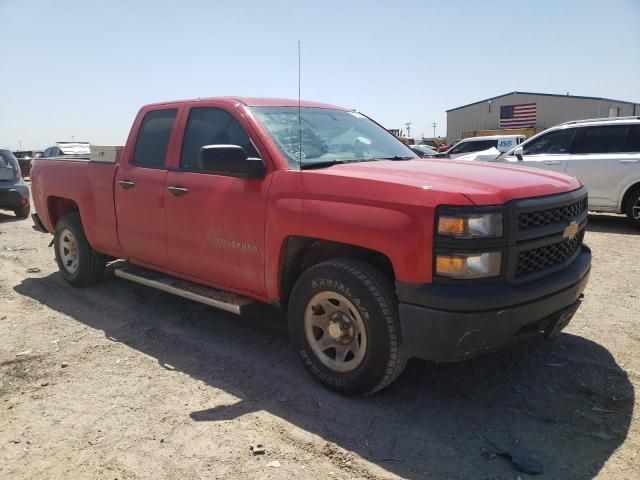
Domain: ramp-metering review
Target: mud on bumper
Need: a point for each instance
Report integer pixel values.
(450, 323)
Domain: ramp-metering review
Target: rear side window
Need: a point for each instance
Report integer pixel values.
(555, 142)
(8, 166)
(153, 138)
(5, 160)
(604, 139)
(212, 126)
(633, 140)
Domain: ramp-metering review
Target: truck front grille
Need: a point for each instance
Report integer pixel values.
(541, 218)
(548, 256)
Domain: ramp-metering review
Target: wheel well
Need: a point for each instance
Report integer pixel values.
(301, 253)
(627, 194)
(59, 206)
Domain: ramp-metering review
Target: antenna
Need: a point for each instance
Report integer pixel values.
(299, 115)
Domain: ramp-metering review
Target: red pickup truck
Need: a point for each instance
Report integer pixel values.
(374, 254)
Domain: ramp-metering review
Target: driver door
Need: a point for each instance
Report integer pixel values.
(215, 223)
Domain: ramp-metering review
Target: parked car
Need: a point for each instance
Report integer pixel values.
(375, 255)
(475, 144)
(423, 150)
(61, 149)
(603, 153)
(14, 193)
(444, 148)
(24, 160)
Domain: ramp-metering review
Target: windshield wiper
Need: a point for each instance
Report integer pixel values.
(397, 157)
(325, 163)
(328, 163)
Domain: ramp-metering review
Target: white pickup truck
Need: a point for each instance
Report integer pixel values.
(603, 153)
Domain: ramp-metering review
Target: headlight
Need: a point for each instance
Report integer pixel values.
(469, 265)
(471, 225)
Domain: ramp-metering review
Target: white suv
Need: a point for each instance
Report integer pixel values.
(604, 153)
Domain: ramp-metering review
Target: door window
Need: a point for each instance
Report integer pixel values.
(556, 142)
(153, 138)
(212, 126)
(603, 139)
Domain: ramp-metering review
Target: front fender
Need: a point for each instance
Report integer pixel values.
(404, 236)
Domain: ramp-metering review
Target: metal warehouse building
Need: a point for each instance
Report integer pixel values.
(530, 110)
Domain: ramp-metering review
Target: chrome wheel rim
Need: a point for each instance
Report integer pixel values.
(68, 250)
(335, 331)
(635, 210)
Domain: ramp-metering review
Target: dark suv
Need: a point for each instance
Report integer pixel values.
(14, 193)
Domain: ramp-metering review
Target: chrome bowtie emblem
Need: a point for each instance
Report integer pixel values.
(570, 231)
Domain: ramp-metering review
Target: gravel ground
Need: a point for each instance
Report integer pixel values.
(119, 381)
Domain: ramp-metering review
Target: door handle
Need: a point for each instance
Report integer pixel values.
(552, 162)
(126, 184)
(178, 191)
(630, 160)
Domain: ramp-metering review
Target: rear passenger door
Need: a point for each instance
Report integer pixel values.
(599, 160)
(140, 188)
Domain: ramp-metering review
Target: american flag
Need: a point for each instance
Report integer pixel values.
(518, 116)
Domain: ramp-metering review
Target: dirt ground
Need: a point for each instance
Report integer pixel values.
(119, 381)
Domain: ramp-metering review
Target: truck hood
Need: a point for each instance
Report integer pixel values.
(481, 183)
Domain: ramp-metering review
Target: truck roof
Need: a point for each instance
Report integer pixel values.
(255, 102)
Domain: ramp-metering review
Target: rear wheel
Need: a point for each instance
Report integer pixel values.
(343, 321)
(632, 207)
(22, 212)
(79, 264)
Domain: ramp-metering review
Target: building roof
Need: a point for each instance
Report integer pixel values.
(542, 95)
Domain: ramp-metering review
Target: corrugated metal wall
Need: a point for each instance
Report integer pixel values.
(551, 110)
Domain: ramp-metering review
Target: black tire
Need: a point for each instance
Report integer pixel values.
(374, 298)
(22, 212)
(90, 264)
(633, 201)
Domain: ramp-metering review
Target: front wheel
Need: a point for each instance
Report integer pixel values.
(632, 208)
(343, 321)
(78, 262)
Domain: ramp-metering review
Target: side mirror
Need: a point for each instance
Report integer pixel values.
(518, 153)
(230, 161)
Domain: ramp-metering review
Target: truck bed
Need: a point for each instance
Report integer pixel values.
(88, 183)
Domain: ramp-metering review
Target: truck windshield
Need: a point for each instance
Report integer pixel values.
(327, 137)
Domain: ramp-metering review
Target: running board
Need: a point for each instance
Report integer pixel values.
(227, 301)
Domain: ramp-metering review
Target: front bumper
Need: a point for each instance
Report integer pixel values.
(14, 197)
(449, 323)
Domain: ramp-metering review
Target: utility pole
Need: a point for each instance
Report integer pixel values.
(434, 125)
(408, 125)
(20, 144)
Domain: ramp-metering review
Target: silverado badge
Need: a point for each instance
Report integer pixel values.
(570, 231)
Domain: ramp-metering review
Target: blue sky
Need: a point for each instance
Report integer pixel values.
(84, 68)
